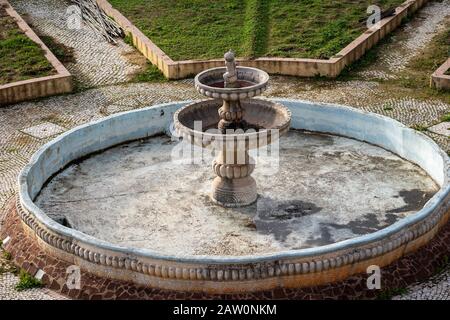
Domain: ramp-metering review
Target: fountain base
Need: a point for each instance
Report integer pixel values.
(232, 193)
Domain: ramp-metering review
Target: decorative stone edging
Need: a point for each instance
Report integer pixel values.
(283, 66)
(213, 274)
(38, 87)
(232, 272)
(27, 254)
(439, 79)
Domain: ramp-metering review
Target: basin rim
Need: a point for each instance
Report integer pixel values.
(430, 207)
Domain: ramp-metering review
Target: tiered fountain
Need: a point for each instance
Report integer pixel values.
(242, 124)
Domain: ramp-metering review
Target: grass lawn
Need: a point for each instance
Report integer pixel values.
(203, 29)
(21, 58)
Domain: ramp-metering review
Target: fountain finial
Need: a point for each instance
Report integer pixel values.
(230, 77)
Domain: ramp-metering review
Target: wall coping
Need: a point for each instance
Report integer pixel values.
(8, 92)
(439, 79)
(284, 66)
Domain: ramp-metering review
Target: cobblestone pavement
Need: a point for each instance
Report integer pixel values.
(8, 282)
(404, 45)
(97, 62)
(19, 138)
(436, 288)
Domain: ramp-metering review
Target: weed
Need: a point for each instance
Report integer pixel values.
(26, 281)
(446, 117)
(388, 294)
(7, 255)
(150, 74)
(420, 127)
(202, 29)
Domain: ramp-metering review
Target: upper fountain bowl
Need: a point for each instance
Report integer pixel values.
(252, 82)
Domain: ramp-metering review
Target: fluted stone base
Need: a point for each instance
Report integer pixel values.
(232, 193)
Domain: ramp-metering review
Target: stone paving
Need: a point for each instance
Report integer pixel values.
(442, 128)
(436, 288)
(404, 45)
(99, 64)
(8, 282)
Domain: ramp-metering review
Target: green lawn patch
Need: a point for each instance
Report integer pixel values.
(21, 58)
(150, 73)
(203, 29)
(446, 117)
(317, 28)
(188, 29)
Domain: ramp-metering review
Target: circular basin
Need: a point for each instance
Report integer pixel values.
(351, 189)
(316, 190)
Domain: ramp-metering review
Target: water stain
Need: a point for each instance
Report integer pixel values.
(369, 223)
(287, 210)
(324, 239)
(414, 200)
(63, 221)
(281, 218)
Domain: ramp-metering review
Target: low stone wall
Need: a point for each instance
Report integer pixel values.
(439, 79)
(226, 275)
(283, 66)
(38, 87)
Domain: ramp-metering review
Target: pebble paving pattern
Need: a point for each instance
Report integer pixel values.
(101, 64)
(8, 292)
(8, 282)
(436, 288)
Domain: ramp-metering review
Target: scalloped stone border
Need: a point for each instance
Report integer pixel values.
(38, 87)
(283, 66)
(29, 255)
(291, 269)
(439, 79)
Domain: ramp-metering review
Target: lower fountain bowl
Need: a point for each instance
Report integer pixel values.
(219, 272)
(264, 120)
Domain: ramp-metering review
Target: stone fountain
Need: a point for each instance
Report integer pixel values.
(232, 123)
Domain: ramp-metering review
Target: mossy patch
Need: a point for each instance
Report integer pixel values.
(389, 294)
(201, 29)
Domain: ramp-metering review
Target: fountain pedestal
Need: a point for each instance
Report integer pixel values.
(234, 186)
